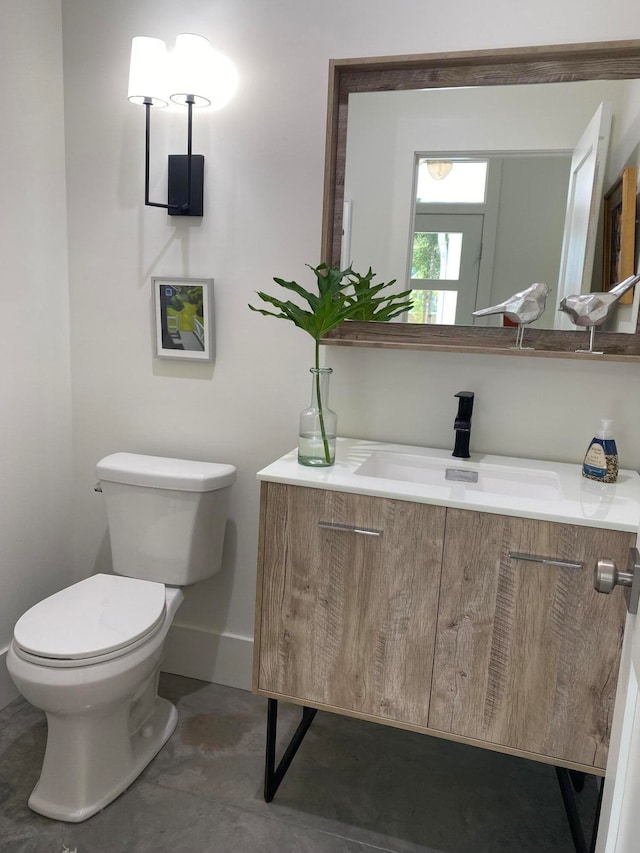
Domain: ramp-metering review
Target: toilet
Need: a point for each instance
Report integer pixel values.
(90, 655)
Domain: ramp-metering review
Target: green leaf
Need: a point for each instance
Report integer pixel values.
(311, 298)
(342, 295)
(366, 304)
(329, 280)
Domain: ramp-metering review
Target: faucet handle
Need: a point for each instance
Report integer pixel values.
(462, 424)
(465, 404)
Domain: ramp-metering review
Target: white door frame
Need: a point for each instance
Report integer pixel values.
(583, 207)
(619, 829)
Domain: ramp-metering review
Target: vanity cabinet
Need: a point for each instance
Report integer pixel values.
(416, 615)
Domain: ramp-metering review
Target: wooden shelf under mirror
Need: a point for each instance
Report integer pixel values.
(604, 61)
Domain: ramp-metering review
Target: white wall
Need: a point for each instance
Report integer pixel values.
(531, 215)
(264, 171)
(35, 424)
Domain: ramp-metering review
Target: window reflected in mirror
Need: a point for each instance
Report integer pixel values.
(433, 306)
(447, 239)
(451, 181)
(437, 257)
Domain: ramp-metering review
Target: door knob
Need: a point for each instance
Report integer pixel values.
(607, 575)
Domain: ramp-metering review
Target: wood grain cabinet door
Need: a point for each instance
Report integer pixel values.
(527, 654)
(348, 619)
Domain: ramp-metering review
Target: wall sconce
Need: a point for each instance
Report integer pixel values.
(194, 75)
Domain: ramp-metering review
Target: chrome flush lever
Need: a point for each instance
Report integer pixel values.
(607, 576)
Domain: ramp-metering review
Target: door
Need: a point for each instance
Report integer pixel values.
(349, 596)
(583, 206)
(526, 650)
(619, 831)
(446, 261)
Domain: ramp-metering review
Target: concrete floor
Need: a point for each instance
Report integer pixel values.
(354, 787)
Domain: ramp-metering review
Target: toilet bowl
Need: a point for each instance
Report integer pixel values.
(105, 722)
(90, 655)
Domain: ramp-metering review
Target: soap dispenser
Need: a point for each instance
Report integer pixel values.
(601, 459)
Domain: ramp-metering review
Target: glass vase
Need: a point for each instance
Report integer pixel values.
(318, 424)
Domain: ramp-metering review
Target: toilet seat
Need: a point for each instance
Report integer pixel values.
(95, 620)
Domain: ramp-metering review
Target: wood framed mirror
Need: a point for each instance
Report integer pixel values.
(604, 61)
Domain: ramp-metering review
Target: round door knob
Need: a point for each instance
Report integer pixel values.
(606, 576)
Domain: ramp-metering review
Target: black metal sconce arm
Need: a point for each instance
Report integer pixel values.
(186, 171)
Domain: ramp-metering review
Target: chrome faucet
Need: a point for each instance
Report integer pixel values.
(462, 424)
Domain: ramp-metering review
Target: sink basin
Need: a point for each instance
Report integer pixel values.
(454, 473)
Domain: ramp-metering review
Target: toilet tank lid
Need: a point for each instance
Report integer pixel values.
(161, 472)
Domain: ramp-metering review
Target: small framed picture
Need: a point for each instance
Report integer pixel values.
(183, 318)
(620, 231)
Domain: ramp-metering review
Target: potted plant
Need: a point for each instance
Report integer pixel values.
(341, 295)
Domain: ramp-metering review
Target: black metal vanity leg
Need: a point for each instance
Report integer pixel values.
(274, 775)
(594, 834)
(270, 757)
(569, 800)
(577, 779)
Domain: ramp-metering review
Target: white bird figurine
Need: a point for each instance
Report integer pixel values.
(593, 309)
(522, 308)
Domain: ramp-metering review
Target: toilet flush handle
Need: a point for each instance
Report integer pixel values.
(97, 487)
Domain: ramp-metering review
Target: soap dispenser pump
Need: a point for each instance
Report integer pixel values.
(601, 459)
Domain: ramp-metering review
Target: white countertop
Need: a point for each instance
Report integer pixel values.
(615, 506)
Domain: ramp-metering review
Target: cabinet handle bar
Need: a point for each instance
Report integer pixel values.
(547, 561)
(349, 528)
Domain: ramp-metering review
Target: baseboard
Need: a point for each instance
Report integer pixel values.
(219, 658)
(8, 690)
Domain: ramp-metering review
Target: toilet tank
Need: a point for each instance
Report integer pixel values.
(166, 516)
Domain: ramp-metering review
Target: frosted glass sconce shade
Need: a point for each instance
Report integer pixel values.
(148, 72)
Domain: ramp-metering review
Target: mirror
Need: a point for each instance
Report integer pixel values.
(523, 111)
(506, 218)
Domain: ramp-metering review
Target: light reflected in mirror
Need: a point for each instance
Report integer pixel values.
(405, 149)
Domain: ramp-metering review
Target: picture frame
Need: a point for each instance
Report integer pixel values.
(620, 232)
(182, 318)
